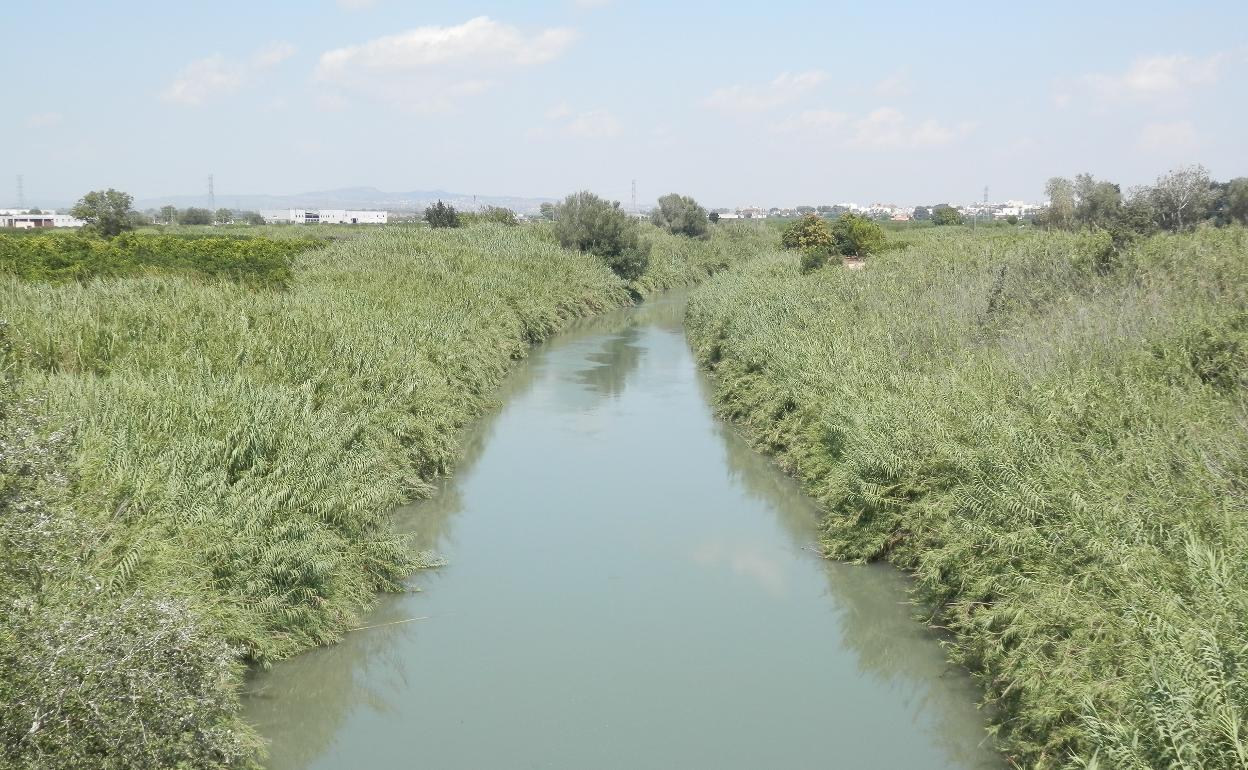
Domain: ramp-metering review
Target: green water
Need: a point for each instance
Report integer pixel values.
(629, 586)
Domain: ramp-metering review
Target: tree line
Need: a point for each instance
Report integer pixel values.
(1179, 200)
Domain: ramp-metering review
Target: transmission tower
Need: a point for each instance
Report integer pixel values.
(634, 196)
(212, 196)
(985, 195)
(21, 193)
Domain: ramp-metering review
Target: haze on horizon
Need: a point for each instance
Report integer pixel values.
(734, 103)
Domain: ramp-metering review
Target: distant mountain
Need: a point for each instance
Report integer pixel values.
(350, 198)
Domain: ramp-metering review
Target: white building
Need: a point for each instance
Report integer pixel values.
(324, 217)
(22, 219)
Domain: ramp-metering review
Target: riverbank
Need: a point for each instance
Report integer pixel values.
(202, 473)
(1050, 436)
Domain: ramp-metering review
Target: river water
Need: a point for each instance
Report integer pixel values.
(629, 586)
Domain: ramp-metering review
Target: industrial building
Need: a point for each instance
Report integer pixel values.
(325, 216)
(22, 219)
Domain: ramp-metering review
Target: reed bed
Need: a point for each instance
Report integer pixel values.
(1054, 447)
(197, 474)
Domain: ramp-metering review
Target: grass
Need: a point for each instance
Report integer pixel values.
(195, 475)
(1054, 447)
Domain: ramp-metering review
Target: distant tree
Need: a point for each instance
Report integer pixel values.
(1011, 220)
(1061, 211)
(499, 215)
(811, 232)
(713, 217)
(680, 215)
(107, 211)
(138, 219)
(1182, 197)
(195, 216)
(1237, 200)
(921, 214)
(1099, 203)
(857, 236)
(442, 215)
(944, 214)
(34, 211)
(596, 226)
(252, 217)
(168, 214)
(803, 210)
(547, 211)
(223, 216)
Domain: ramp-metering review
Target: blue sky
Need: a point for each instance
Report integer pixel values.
(735, 103)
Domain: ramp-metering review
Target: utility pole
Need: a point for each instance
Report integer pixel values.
(21, 193)
(635, 197)
(212, 196)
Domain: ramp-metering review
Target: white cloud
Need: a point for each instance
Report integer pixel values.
(760, 98)
(895, 86)
(214, 76)
(812, 120)
(44, 120)
(596, 124)
(1159, 76)
(889, 129)
(1180, 136)
(885, 128)
(430, 68)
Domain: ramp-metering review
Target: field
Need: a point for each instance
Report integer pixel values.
(196, 472)
(1051, 436)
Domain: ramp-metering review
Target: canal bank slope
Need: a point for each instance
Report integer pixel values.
(200, 475)
(1055, 449)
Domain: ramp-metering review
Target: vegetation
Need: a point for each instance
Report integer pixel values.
(58, 257)
(442, 215)
(599, 227)
(498, 215)
(195, 476)
(810, 233)
(851, 235)
(944, 214)
(105, 211)
(680, 215)
(195, 216)
(1056, 450)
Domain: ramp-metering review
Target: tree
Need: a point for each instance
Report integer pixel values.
(547, 211)
(811, 232)
(921, 214)
(223, 216)
(857, 236)
(1182, 197)
(107, 211)
(1237, 200)
(944, 214)
(252, 217)
(713, 217)
(195, 216)
(442, 215)
(1061, 211)
(168, 214)
(680, 215)
(35, 211)
(499, 215)
(596, 226)
(1099, 203)
(1011, 220)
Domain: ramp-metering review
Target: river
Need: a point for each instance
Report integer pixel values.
(628, 585)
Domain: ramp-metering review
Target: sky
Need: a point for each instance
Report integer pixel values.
(759, 103)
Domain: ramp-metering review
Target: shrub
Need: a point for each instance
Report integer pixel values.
(194, 216)
(599, 227)
(442, 215)
(809, 232)
(857, 236)
(944, 214)
(680, 215)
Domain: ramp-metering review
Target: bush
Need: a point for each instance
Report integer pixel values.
(821, 256)
(809, 232)
(194, 216)
(944, 214)
(680, 215)
(599, 227)
(442, 215)
(857, 236)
